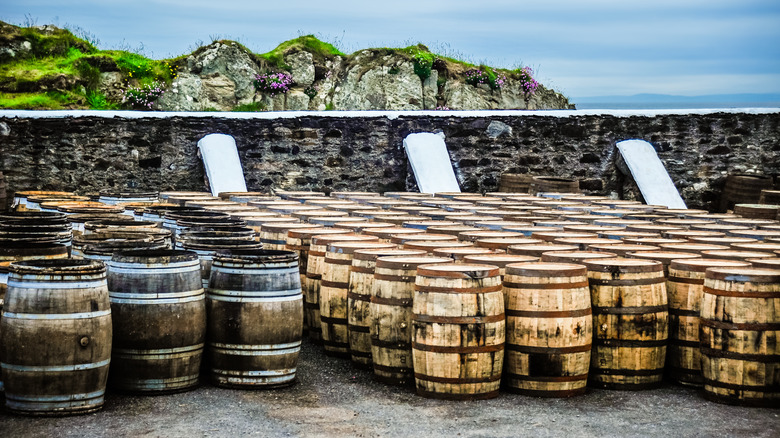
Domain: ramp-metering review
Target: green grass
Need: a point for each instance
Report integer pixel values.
(319, 49)
(52, 100)
(250, 107)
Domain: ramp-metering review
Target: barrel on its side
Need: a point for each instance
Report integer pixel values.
(630, 323)
(55, 337)
(549, 329)
(255, 318)
(159, 314)
(458, 331)
(740, 327)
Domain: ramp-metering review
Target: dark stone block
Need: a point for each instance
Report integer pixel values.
(295, 150)
(593, 185)
(266, 182)
(590, 158)
(719, 150)
(150, 163)
(279, 149)
(734, 139)
(468, 162)
(346, 151)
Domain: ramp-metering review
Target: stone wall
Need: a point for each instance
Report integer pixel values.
(89, 152)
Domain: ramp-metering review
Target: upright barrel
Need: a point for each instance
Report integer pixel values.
(458, 331)
(159, 314)
(549, 329)
(631, 323)
(55, 337)
(255, 318)
(684, 286)
(390, 325)
(740, 331)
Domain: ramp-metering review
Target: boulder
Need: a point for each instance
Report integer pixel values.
(301, 67)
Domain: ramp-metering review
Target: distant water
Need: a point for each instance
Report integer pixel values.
(674, 105)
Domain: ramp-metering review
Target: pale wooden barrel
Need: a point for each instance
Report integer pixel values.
(458, 331)
(273, 235)
(313, 281)
(575, 256)
(386, 234)
(459, 253)
(299, 241)
(390, 316)
(549, 329)
(538, 249)
(630, 321)
(255, 318)
(55, 337)
(739, 336)
(501, 260)
(500, 244)
(158, 307)
(665, 257)
(684, 285)
(344, 306)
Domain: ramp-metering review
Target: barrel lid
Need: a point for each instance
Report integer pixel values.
(58, 267)
(374, 253)
(505, 242)
(409, 262)
(426, 224)
(664, 257)
(350, 247)
(757, 246)
(575, 256)
(702, 264)
(538, 249)
(350, 237)
(429, 237)
(744, 275)
(154, 256)
(755, 234)
(461, 270)
(623, 265)
(282, 226)
(500, 260)
(314, 230)
(450, 251)
(590, 228)
(319, 212)
(765, 263)
(453, 229)
(737, 255)
(537, 269)
(255, 255)
(585, 241)
(430, 245)
(359, 226)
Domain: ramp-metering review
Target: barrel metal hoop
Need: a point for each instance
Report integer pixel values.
(738, 294)
(753, 388)
(527, 349)
(55, 368)
(254, 299)
(639, 310)
(625, 372)
(152, 269)
(549, 314)
(358, 297)
(392, 301)
(456, 380)
(80, 315)
(576, 378)
(618, 343)
(195, 348)
(55, 285)
(341, 262)
(546, 286)
(436, 319)
(460, 290)
(636, 282)
(357, 328)
(391, 345)
(685, 280)
(395, 278)
(458, 349)
(255, 349)
(747, 326)
(762, 358)
(331, 320)
(683, 312)
(335, 284)
(49, 398)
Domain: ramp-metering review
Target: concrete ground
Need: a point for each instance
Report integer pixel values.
(332, 399)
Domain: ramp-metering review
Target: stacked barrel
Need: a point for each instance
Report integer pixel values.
(459, 294)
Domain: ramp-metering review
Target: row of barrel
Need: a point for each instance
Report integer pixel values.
(498, 228)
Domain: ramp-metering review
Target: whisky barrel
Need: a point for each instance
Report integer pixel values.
(771, 197)
(631, 323)
(458, 331)
(254, 306)
(314, 270)
(740, 323)
(390, 311)
(514, 183)
(684, 286)
(743, 188)
(158, 308)
(273, 235)
(344, 306)
(757, 211)
(665, 257)
(554, 184)
(55, 337)
(549, 329)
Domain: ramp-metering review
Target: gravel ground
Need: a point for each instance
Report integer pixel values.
(333, 399)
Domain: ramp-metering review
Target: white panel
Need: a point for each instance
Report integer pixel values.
(430, 163)
(650, 174)
(223, 167)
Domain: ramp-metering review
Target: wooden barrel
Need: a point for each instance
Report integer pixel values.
(55, 337)
(255, 318)
(575, 256)
(631, 323)
(731, 254)
(273, 235)
(314, 269)
(554, 184)
(771, 197)
(390, 316)
(684, 286)
(514, 183)
(665, 257)
(549, 329)
(459, 253)
(757, 211)
(500, 244)
(743, 189)
(765, 263)
(740, 322)
(458, 331)
(344, 306)
(538, 249)
(385, 234)
(299, 242)
(158, 307)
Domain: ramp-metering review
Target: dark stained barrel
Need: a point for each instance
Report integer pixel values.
(159, 313)
(55, 337)
(255, 318)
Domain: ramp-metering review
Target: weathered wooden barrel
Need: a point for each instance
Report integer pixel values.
(360, 226)
(575, 256)
(630, 323)
(315, 267)
(430, 246)
(771, 197)
(206, 247)
(665, 257)
(549, 329)
(757, 211)
(537, 250)
(386, 234)
(458, 253)
(55, 337)
(458, 331)
(158, 307)
(732, 254)
(623, 249)
(500, 260)
(390, 312)
(743, 188)
(762, 235)
(684, 285)
(514, 183)
(344, 309)
(273, 235)
(255, 318)
(501, 244)
(765, 263)
(740, 322)
(299, 241)
(554, 184)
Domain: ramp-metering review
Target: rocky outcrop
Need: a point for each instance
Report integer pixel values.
(219, 77)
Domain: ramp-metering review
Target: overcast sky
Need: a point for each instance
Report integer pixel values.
(579, 47)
